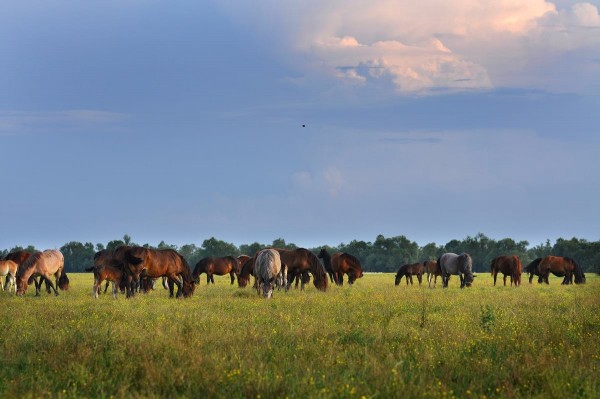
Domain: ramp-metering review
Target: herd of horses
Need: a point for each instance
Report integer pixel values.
(132, 269)
(510, 266)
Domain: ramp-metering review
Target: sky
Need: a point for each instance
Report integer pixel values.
(317, 122)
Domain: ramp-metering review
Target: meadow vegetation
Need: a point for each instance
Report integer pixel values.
(369, 340)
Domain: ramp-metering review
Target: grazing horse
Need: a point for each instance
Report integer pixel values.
(43, 264)
(157, 263)
(533, 269)
(508, 266)
(8, 269)
(461, 265)
(342, 263)
(561, 266)
(267, 270)
(246, 271)
(409, 270)
(219, 266)
(433, 271)
(323, 254)
(300, 260)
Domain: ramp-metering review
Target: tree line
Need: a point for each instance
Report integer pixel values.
(384, 254)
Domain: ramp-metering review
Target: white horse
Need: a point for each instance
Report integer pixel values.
(461, 265)
(8, 269)
(267, 270)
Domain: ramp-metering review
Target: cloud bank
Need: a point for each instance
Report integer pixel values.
(431, 46)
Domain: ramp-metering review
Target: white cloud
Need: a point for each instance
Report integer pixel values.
(420, 47)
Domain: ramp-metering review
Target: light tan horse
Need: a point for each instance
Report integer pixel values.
(8, 269)
(44, 264)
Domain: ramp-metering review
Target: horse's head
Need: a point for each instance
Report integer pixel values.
(21, 286)
(468, 281)
(398, 278)
(188, 288)
(63, 282)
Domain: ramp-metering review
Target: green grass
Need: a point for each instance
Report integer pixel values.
(370, 340)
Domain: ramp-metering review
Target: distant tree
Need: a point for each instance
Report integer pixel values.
(214, 247)
(280, 243)
(127, 239)
(164, 245)
(99, 247)
(251, 249)
(114, 244)
(78, 256)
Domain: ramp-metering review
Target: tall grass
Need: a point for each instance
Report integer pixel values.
(369, 340)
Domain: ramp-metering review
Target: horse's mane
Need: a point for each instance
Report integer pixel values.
(352, 258)
(29, 263)
(186, 273)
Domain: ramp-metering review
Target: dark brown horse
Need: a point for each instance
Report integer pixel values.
(300, 260)
(157, 263)
(43, 264)
(433, 271)
(246, 270)
(409, 270)
(323, 254)
(559, 265)
(341, 263)
(508, 266)
(219, 266)
(533, 269)
(109, 273)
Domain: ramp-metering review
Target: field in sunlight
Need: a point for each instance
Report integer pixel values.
(369, 340)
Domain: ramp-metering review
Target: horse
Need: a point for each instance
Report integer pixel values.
(157, 263)
(433, 271)
(342, 263)
(43, 264)
(409, 270)
(246, 270)
(461, 265)
(219, 266)
(560, 265)
(267, 269)
(300, 260)
(323, 254)
(508, 266)
(21, 256)
(8, 269)
(109, 273)
(533, 269)
(301, 279)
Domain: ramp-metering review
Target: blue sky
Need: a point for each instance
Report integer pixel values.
(179, 121)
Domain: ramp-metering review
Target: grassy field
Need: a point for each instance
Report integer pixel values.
(370, 340)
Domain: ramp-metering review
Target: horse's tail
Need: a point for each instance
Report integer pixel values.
(493, 265)
(578, 271)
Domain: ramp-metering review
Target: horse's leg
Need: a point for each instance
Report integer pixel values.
(105, 286)
(420, 278)
(341, 278)
(95, 287)
(232, 276)
(114, 289)
(49, 283)
(504, 278)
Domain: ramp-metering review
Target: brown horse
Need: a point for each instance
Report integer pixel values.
(246, 270)
(561, 266)
(508, 266)
(109, 273)
(433, 271)
(533, 269)
(43, 264)
(8, 270)
(300, 260)
(409, 270)
(157, 263)
(341, 263)
(219, 266)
